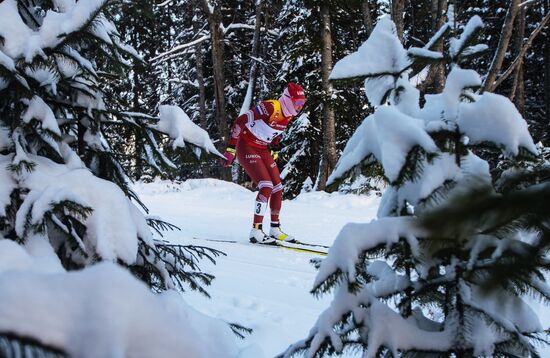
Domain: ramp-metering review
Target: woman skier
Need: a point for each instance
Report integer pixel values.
(251, 134)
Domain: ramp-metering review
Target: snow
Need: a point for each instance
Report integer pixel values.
(7, 62)
(112, 227)
(378, 59)
(437, 35)
(458, 44)
(493, 117)
(76, 56)
(423, 52)
(393, 331)
(388, 135)
(259, 287)
(263, 288)
(457, 82)
(174, 122)
(443, 168)
(8, 184)
(440, 110)
(472, 50)
(21, 41)
(38, 109)
(96, 140)
(5, 139)
(372, 56)
(123, 317)
(36, 257)
(45, 76)
(355, 238)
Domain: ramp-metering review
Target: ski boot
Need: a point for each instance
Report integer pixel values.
(258, 236)
(276, 233)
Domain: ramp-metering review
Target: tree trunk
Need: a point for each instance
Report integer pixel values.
(397, 8)
(216, 34)
(502, 47)
(138, 172)
(523, 51)
(329, 135)
(435, 80)
(439, 69)
(367, 18)
(202, 91)
(547, 75)
(254, 63)
(517, 94)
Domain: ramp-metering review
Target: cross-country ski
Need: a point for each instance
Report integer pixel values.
(292, 246)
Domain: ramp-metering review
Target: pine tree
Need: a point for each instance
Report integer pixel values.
(62, 175)
(452, 245)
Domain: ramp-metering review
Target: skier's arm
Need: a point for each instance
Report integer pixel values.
(236, 129)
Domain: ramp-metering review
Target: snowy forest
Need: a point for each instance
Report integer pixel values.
(414, 171)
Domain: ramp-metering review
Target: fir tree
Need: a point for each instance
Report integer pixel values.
(451, 247)
(63, 181)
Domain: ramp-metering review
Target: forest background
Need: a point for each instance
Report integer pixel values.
(204, 56)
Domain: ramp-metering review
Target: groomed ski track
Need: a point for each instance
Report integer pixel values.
(263, 288)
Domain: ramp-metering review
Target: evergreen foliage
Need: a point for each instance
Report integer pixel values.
(12, 346)
(453, 245)
(290, 44)
(67, 140)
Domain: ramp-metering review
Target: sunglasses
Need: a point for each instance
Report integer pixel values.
(299, 102)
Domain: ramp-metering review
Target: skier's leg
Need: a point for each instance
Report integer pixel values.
(250, 158)
(276, 200)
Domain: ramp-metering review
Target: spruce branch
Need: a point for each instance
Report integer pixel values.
(240, 330)
(179, 263)
(15, 345)
(160, 225)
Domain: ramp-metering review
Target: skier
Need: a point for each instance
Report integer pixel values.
(251, 134)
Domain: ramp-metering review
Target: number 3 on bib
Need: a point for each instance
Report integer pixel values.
(259, 208)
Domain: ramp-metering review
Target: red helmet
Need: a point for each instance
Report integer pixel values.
(296, 93)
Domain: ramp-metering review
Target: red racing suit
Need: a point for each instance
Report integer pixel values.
(251, 134)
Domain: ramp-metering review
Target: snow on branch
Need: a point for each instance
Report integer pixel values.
(381, 54)
(120, 312)
(388, 135)
(460, 43)
(177, 48)
(39, 110)
(178, 126)
(354, 239)
(21, 41)
(493, 118)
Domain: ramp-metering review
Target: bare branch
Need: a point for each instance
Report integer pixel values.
(180, 47)
(524, 49)
(505, 36)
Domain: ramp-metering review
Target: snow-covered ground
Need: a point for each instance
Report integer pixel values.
(263, 288)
